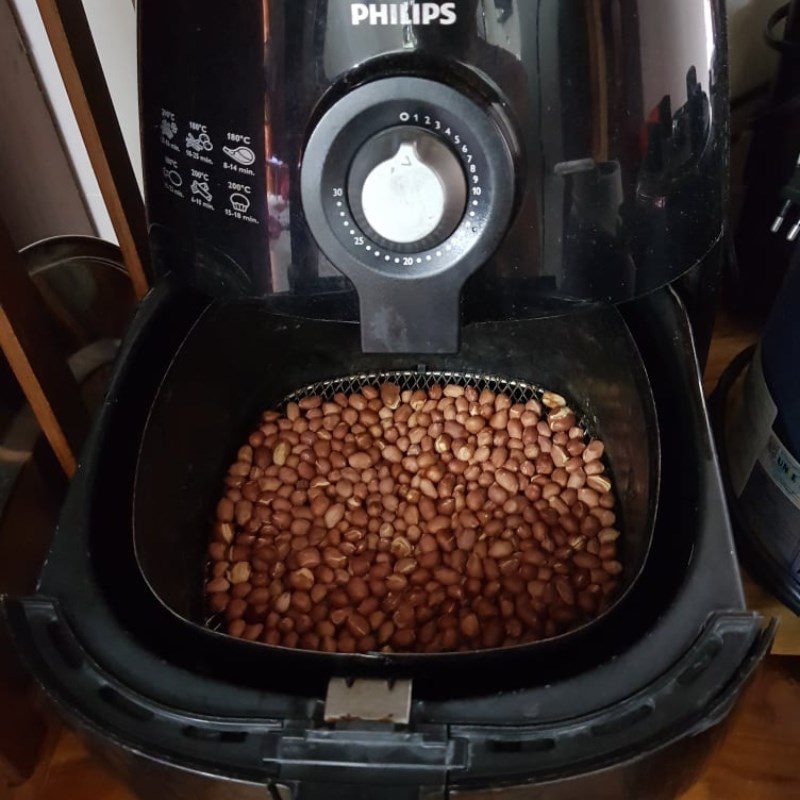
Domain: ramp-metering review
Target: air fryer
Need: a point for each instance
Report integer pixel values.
(562, 207)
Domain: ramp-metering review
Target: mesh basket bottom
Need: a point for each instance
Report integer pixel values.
(411, 380)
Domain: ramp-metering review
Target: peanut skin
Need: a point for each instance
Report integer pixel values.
(429, 521)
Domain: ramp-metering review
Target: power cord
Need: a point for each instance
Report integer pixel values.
(791, 197)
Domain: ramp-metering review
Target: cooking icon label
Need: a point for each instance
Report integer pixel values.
(169, 130)
(240, 154)
(201, 190)
(174, 177)
(173, 180)
(198, 143)
(240, 202)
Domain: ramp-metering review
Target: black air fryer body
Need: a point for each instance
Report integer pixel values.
(570, 160)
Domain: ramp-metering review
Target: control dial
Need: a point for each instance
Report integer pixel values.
(407, 189)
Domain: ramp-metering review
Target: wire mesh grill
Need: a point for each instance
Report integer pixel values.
(517, 391)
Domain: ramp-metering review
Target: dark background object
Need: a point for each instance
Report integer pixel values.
(86, 298)
(781, 357)
(762, 257)
(38, 360)
(757, 422)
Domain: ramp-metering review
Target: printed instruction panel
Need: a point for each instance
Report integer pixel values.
(214, 171)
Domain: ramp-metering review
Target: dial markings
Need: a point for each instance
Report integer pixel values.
(469, 224)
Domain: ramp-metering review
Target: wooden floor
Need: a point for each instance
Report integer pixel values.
(758, 760)
(760, 757)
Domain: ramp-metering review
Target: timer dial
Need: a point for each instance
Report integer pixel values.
(407, 189)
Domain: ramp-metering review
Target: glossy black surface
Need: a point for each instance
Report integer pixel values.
(619, 109)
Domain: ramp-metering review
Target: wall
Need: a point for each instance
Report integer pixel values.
(114, 28)
(39, 194)
(113, 24)
(673, 39)
(55, 117)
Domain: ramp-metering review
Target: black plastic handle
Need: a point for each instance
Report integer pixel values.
(409, 316)
(379, 755)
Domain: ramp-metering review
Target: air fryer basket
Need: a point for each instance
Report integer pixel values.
(241, 359)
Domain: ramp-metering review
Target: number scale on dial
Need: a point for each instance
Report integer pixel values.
(477, 195)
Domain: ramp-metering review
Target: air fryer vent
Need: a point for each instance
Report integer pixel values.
(522, 745)
(623, 721)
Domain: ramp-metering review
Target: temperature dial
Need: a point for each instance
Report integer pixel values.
(407, 189)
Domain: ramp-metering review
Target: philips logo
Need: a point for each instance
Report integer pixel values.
(408, 13)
